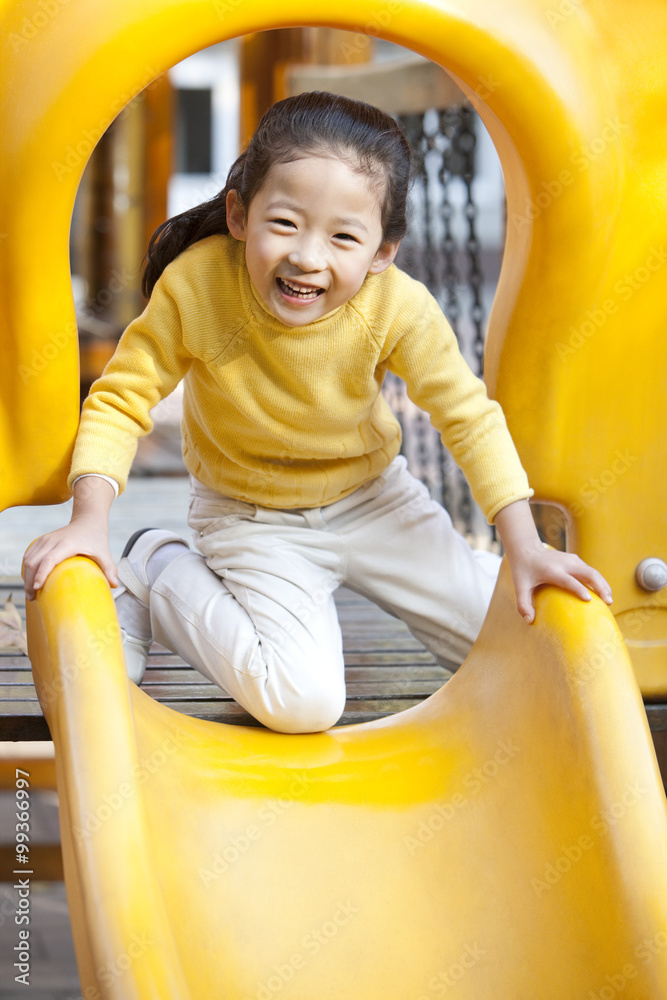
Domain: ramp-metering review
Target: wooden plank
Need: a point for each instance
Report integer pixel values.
(397, 658)
(386, 671)
(232, 714)
(13, 658)
(182, 674)
(380, 674)
(192, 694)
(21, 707)
(18, 684)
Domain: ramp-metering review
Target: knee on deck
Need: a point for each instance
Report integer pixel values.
(309, 712)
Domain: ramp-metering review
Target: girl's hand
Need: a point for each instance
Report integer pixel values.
(87, 534)
(533, 564)
(82, 537)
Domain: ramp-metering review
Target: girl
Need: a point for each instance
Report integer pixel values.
(279, 305)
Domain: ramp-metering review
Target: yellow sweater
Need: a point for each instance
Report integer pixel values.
(291, 416)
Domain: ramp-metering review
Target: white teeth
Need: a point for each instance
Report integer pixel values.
(299, 292)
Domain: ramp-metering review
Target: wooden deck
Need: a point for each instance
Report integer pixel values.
(386, 670)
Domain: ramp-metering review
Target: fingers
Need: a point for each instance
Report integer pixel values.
(596, 582)
(38, 562)
(524, 603)
(48, 551)
(581, 578)
(564, 570)
(108, 567)
(28, 576)
(570, 582)
(30, 567)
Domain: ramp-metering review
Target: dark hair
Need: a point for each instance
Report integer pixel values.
(317, 123)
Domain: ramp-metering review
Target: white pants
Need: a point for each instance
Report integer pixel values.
(253, 608)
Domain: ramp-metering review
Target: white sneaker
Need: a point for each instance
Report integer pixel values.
(133, 580)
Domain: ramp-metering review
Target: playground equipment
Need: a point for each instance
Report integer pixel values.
(507, 837)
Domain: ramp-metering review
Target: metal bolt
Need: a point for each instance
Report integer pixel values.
(651, 574)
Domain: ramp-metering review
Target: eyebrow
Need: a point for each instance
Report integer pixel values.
(351, 224)
(293, 207)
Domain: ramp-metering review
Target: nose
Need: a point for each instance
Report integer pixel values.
(308, 256)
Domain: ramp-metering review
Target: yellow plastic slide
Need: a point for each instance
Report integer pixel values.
(507, 838)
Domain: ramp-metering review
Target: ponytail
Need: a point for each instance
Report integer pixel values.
(178, 233)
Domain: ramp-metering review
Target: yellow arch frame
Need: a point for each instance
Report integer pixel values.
(573, 97)
(529, 778)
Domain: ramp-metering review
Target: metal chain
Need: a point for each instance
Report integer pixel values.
(443, 145)
(448, 124)
(467, 141)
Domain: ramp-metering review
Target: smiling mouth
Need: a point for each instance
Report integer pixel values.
(305, 292)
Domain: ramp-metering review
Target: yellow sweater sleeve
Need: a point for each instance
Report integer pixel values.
(148, 364)
(422, 349)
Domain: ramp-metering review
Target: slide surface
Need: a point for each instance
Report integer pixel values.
(507, 837)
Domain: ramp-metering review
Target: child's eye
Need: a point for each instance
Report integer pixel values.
(347, 237)
(284, 222)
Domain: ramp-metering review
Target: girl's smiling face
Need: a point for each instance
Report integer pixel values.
(312, 232)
